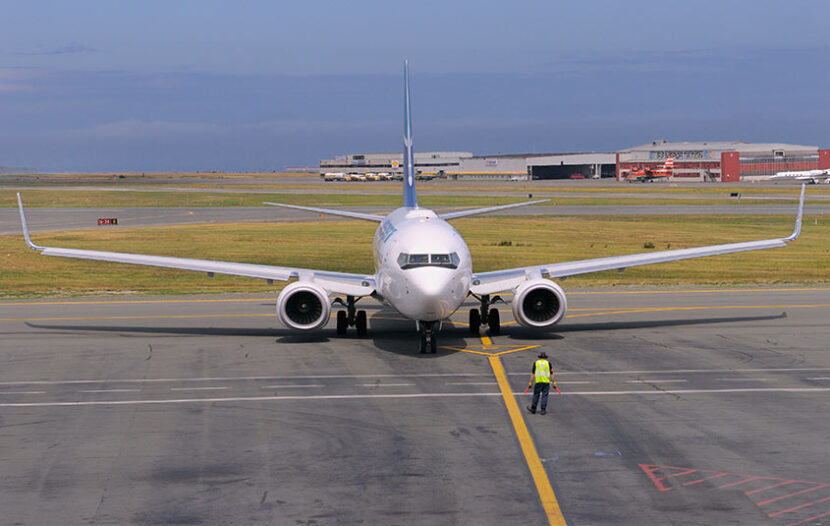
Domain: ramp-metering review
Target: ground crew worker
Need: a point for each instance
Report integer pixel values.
(541, 379)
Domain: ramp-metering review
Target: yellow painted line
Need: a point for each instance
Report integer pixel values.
(159, 317)
(119, 302)
(486, 341)
(709, 307)
(525, 348)
(540, 477)
(694, 291)
(471, 351)
(570, 293)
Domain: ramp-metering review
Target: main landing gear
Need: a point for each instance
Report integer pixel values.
(485, 315)
(351, 317)
(429, 339)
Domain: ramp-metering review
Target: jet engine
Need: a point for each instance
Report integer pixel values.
(539, 303)
(304, 306)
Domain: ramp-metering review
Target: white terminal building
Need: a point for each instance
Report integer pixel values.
(717, 161)
(465, 165)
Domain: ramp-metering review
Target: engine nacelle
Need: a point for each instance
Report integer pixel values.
(539, 303)
(304, 306)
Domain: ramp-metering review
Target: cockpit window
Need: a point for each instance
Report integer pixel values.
(407, 261)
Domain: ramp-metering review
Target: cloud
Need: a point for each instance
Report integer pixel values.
(17, 79)
(67, 49)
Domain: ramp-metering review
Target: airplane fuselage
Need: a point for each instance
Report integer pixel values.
(422, 264)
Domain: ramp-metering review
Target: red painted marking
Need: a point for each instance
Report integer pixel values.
(759, 490)
(739, 482)
(682, 473)
(698, 481)
(782, 497)
(814, 517)
(660, 476)
(649, 470)
(798, 507)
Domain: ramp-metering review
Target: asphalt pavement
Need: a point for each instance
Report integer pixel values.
(678, 406)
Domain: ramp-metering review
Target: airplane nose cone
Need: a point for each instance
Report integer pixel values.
(437, 294)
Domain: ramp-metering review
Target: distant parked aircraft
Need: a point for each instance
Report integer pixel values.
(648, 175)
(811, 176)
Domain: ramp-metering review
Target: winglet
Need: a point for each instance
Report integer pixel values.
(798, 217)
(25, 226)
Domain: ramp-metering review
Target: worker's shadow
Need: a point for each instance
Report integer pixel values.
(390, 332)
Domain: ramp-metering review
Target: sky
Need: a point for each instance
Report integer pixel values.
(96, 85)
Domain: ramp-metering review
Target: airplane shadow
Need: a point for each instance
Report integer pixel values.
(523, 333)
(393, 334)
(284, 335)
(390, 333)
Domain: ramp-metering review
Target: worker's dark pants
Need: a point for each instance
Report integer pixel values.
(543, 389)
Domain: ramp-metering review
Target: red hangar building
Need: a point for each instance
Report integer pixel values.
(721, 161)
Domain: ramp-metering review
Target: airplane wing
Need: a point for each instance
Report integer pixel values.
(333, 282)
(353, 215)
(503, 280)
(476, 211)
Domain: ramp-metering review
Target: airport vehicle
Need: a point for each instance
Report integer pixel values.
(423, 269)
(811, 176)
(334, 176)
(648, 175)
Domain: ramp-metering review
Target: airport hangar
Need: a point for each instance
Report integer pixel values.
(720, 161)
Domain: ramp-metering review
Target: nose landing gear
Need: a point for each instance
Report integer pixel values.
(429, 339)
(486, 315)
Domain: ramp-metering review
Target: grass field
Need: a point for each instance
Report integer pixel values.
(346, 246)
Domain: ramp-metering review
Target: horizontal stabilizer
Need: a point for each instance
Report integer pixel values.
(476, 211)
(353, 215)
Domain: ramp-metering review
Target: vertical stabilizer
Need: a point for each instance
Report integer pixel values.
(409, 197)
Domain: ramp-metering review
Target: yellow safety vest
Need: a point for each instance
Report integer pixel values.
(542, 374)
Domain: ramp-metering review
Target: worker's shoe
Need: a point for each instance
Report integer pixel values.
(543, 412)
(531, 409)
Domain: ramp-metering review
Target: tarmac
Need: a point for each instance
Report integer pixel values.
(700, 406)
(58, 219)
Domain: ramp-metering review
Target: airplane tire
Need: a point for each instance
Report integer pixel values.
(423, 346)
(494, 322)
(342, 323)
(475, 321)
(360, 323)
(433, 344)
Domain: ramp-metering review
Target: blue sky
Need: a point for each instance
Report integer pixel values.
(256, 85)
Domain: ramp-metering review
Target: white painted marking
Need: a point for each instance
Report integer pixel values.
(291, 386)
(425, 375)
(819, 390)
(656, 381)
(686, 371)
(574, 382)
(211, 388)
(22, 392)
(247, 378)
(744, 379)
(386, 385)
(109, 390)
(471, 383)
(819, 378)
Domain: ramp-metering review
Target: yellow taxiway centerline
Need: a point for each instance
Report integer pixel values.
(537, 471)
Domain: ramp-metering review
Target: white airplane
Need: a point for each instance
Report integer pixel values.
(423, 269)
(811, 176)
